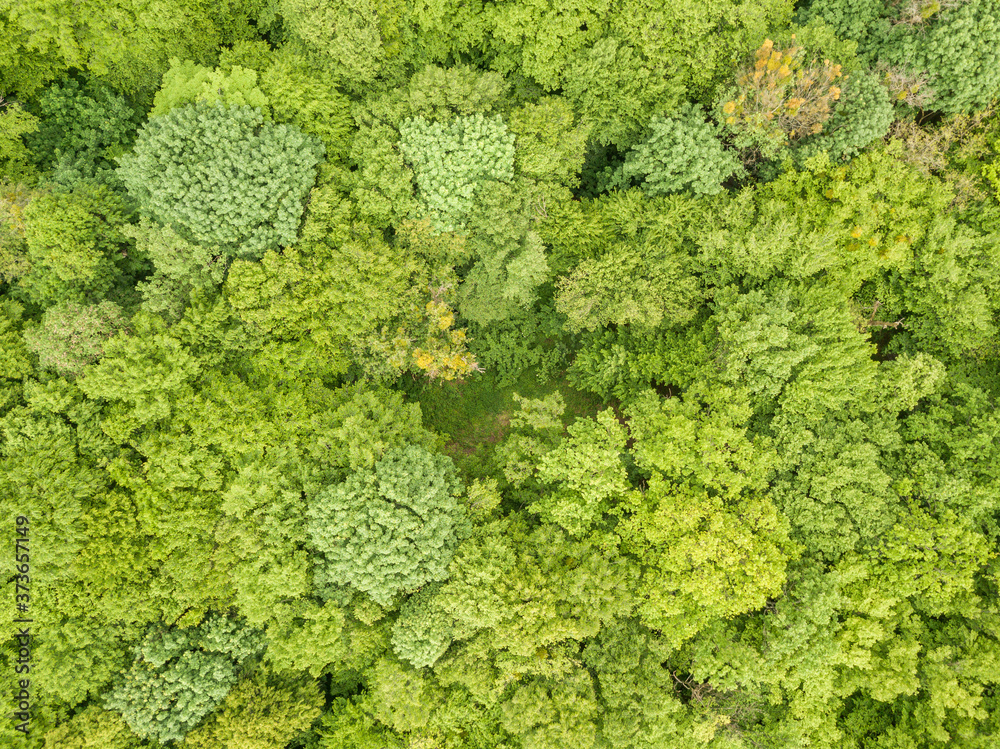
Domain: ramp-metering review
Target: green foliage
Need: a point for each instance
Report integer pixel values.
(222, 176)
(587, 474)
(263, 712)
(451, 162)
(620, 363)
(72, 336)
(952, 44)
(181, 675)
(252, 54)
(187, 82)
(82, 130)
(511, 262)
(539, 40)
(615, 92)
(348, 726)
(951, 293)
(640, 705)
(422, 633)
(851, 19)
(547, 715)
(14, 198)
(440, 94)
(703, 559)
(774, 523)
(862, 116)
(636, 59)
(385, 309)
(125, 43)
(15, 159)
(181, 267)
(550, 141)
(92, 728)
(629, 285)
(382, 183)
(701, 444)
(957, 48)
(304, 97)
(390, 529)
(345, 40)
(16, 358)
(522, 600)
(506, 349)
(400, 697)
(74, 244)
(683, 152)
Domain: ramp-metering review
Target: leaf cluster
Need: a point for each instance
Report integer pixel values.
(450, 162)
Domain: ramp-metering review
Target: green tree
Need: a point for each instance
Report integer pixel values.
(346, 40)
(342, 296)
(93, 727)
(643, 58)
(629, 285)
(123, 42)
(74, 245)
(263, 712)
(15, 159)
(682, 152)
(81, 131)
(14, 198)
(510, 259)
(951, 44)
(222, 176)
(16, 355)
(423, 632)
(596, 245)
(549, 714)
(551, 141)
(450, 163)
(181, 268)
(391, 529)
(519, 601)
(303, 96)
(702, 559)
(861, 117)
(71, 336)
(187, 82)
(179, 676)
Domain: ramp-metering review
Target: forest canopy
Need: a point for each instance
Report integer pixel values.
(570, 374)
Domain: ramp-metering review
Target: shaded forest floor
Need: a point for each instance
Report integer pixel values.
(475, 413)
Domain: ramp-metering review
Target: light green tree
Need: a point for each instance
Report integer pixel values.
(683, 152)
(222, 176)
(72, 336)
(186, 82)
(15, 159)
(392, 529)
(451, 162)
(263, 712)
(74, 245)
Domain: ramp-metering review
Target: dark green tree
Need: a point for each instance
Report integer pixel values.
(179, 676)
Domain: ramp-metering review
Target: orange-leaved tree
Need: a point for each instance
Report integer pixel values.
(781, 98)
